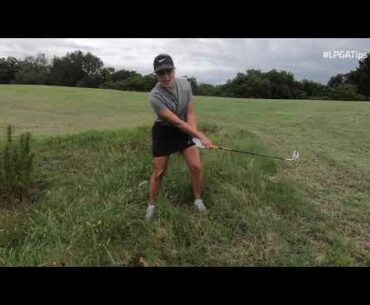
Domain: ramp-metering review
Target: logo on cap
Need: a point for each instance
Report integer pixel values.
(163, 61)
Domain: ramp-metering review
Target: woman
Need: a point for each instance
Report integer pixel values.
(173, 130)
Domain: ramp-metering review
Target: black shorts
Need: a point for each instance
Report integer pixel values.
(167, 140)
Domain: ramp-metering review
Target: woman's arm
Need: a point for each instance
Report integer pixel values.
(191, 118)
(185, 127)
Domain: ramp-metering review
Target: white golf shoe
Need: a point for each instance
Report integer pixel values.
(150, 212)
(200, 205)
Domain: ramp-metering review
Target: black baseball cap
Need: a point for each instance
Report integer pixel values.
(163, 61)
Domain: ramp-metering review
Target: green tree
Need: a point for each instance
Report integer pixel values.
(207, 89)
(359, 79)
(123, 74)
(336, 80)
(33, 70)
(314, 89)
(8, 69)
(76, 69)
(193, 83)
(344, 92)
(363, 73)
(106, 74)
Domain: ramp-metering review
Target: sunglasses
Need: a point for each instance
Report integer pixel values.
(164, 72)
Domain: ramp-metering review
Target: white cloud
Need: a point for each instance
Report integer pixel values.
(209, 60)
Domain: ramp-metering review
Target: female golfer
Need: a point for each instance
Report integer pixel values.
(173, 130)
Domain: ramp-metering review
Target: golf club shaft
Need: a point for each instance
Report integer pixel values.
(247, 152)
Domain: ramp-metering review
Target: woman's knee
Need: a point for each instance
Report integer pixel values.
(196, 168)
(159, 173)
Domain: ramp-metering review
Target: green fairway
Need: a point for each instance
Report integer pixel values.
(45, 110)
(93, 163)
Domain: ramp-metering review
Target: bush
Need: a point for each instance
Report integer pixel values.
(15, 168)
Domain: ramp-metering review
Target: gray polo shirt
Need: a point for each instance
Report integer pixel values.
(177, 100)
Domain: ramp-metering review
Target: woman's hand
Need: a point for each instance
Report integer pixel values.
(206, 142)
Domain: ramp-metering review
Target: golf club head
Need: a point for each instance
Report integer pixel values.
(295, 155)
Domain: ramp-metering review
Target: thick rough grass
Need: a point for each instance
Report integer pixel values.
(90, 211)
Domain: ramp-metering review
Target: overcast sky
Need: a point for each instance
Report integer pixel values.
(209, 60)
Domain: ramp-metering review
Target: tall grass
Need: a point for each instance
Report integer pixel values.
(92, 212)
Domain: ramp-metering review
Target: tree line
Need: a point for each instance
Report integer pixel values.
(78, 69)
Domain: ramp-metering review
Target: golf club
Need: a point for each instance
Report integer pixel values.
(295, 155)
